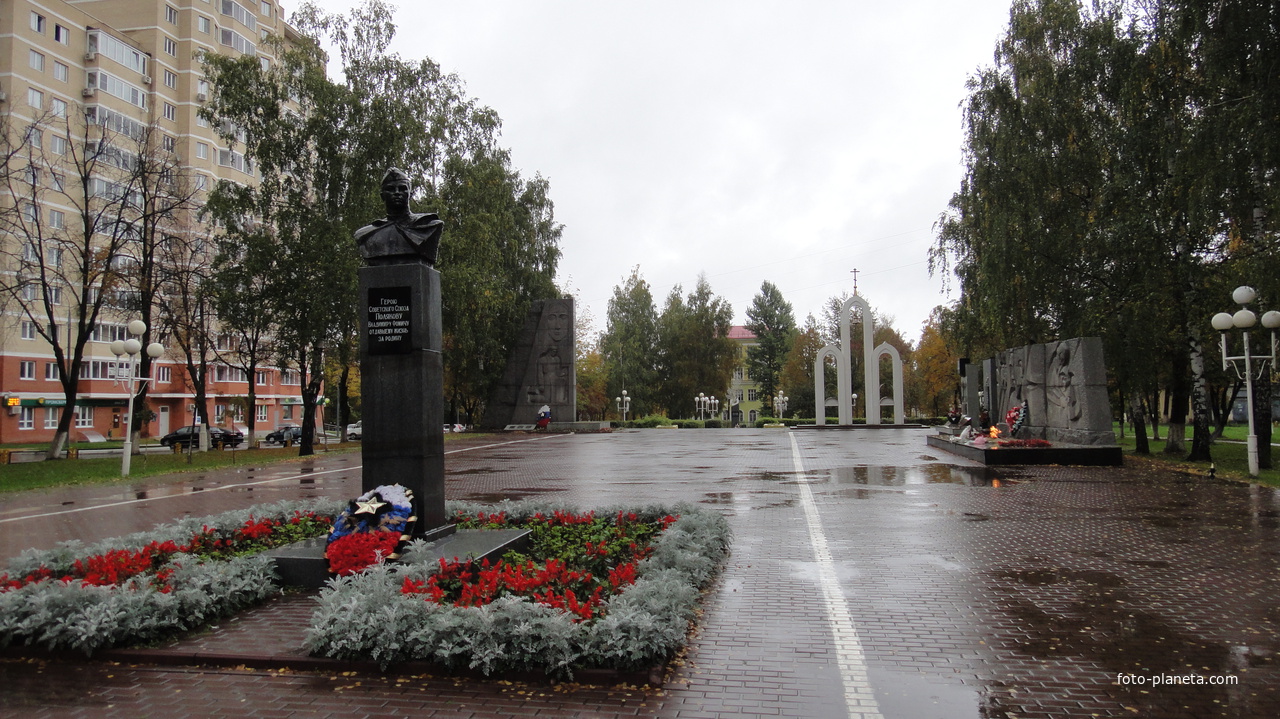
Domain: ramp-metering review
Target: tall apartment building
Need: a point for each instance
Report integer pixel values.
(124, 65)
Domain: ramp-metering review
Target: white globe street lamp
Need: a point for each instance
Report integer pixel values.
(624, 404)
(1243, 320)
(132, 347)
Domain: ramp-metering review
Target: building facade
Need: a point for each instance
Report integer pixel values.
(74, 76)
(745, 404)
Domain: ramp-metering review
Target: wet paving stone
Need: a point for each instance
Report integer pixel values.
(1017, 592)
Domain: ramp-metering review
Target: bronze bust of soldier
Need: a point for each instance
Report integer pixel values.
(402, 236)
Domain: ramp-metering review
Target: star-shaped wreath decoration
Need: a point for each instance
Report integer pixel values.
(373, 528)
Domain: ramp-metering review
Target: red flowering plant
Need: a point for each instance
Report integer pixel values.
(574, 563)
(114, 567)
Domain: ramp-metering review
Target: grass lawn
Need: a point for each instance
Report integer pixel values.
(105, 470)
(1230, 460)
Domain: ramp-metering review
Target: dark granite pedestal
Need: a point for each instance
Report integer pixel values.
(302, 564)
(1071, 455)
(402, 386)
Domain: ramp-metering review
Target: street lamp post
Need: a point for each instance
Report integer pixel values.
(132, 347)
(1242, 320)
(705, 405)
(624, 404)
(780, 403)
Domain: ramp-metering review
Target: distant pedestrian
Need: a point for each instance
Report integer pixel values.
(544, 416)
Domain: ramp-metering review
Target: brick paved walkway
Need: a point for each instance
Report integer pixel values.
(1023, 599)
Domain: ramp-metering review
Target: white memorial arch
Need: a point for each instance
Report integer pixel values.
(844, 370)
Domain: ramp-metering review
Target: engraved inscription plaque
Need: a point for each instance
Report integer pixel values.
(389, 326)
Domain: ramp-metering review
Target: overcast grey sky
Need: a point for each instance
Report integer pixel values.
(789, 142)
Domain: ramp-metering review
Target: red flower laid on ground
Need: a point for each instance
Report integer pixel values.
(357, 552)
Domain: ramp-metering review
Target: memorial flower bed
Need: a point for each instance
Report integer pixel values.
(149, 585)
(611, 589)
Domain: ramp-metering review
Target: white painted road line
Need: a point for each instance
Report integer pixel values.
(245, 484)
(859, 698)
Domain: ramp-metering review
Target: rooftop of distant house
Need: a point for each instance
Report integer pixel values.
(738, 332)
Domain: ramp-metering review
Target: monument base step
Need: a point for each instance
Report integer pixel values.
(1075, 455)
(302, 564)
(860, 426)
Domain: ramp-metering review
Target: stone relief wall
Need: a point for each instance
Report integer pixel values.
(1065, 387)
(540, 370)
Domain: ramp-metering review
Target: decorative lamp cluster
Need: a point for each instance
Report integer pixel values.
(1248, 364)
(131, 347)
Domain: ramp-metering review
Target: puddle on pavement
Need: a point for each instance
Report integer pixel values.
(513, 494)
(919, 696)
(923, 474)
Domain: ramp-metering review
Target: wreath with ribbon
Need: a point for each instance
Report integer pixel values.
(373, 528)
(1016, 417)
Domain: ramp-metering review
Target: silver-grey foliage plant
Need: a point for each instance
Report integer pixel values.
(366, 616)
(62, 616)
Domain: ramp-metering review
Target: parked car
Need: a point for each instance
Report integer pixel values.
(283, 433)
(187, 436)
(355, 431)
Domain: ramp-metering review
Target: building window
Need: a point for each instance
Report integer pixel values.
(266, 9)
(202, 151)
(170, 79)
(53, 257)
(262, 377)
(35, 98)
(200, 121)
(84, 416)
(170, 112)
(59, 145)
(37, 22)
(164, 374)
(239, 42)
(260, 413)
(26, 418)
(119, 51)
(51, 417)
(171, 46)
(57, 107)
(35, 60)
(61, 34)
(113, 85)
(35, 136)
(286, 413)
(27, 369)
(171, 14)
(57, 220)
(60, 71)
(201, 181)
(55, 295)
(203, 23)
(751, 395)
(219, 412)
(52, 372)
(28, 330)
(290, 376)
(168, 143)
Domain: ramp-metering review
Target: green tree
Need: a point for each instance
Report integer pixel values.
(796, 377)
(695, 354)
(771, 320)
(629, 341)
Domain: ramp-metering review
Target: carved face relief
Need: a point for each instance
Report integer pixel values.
(557, 322)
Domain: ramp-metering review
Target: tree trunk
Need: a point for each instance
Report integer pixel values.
(1262, 418)
(1179, 398)
(1138, 411)
(1153, 413)
(1200, 444)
